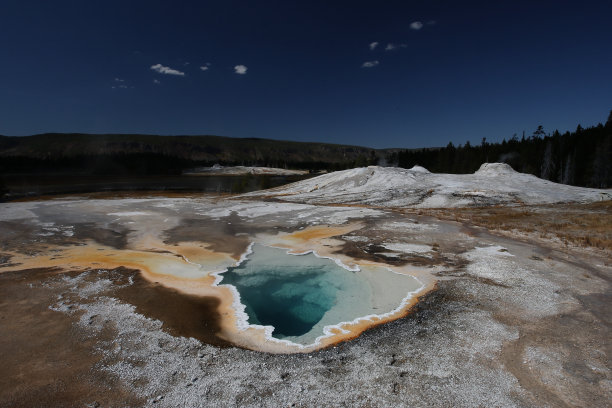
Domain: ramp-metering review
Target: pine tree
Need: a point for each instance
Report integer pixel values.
(568, 171)
(539, 132)
(548, 164)
(602, 168)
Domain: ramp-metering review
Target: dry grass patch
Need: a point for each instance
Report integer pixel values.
(585, 225)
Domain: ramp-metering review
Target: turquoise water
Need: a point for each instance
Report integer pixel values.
(301, 295)
(292, 293)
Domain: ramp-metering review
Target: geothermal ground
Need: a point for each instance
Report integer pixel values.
(120, 302)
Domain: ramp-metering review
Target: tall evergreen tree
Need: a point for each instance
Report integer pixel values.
(548, 164)
(582, 157)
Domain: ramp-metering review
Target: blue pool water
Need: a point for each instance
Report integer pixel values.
(300, 295)
(291, 293)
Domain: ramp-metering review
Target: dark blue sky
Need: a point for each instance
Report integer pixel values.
(472, 70)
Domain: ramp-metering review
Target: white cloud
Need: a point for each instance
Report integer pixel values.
(156, 81)
(166, 70)
(205, 66)
(392, 46)
(373, 45)
(240, 69)
(369, 64)
(119, 83)
(416, 25)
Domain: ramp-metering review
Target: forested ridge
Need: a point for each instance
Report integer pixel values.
(581, 158)
(133, 154)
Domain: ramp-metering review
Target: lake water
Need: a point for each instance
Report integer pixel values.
(14, 186)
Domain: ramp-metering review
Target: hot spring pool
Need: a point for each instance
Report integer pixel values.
(303, 296)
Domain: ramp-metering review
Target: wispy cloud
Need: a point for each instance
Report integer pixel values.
(166, 70)
(240, 69)
(391, 46)
(119, 83)
(156, 81)
(369, 64)
(416, 25)
(373, 45)
(205, 66)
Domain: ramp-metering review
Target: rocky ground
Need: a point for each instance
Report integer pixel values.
(517, 320)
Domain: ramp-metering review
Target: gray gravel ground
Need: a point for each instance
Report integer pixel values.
(448, 353)
(396, 364)
(512, 324)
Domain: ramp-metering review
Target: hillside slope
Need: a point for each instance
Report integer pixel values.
(492, 184)
(194, 148)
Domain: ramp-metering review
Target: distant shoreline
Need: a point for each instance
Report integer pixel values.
(23, 186)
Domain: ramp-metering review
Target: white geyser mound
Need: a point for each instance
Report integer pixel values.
(492, 184)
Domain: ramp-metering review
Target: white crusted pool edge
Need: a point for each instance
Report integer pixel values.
(242, 318)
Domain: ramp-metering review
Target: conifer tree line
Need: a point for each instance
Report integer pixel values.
(580, 158)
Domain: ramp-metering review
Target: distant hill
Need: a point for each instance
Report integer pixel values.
(581, 158)
(149, 154)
